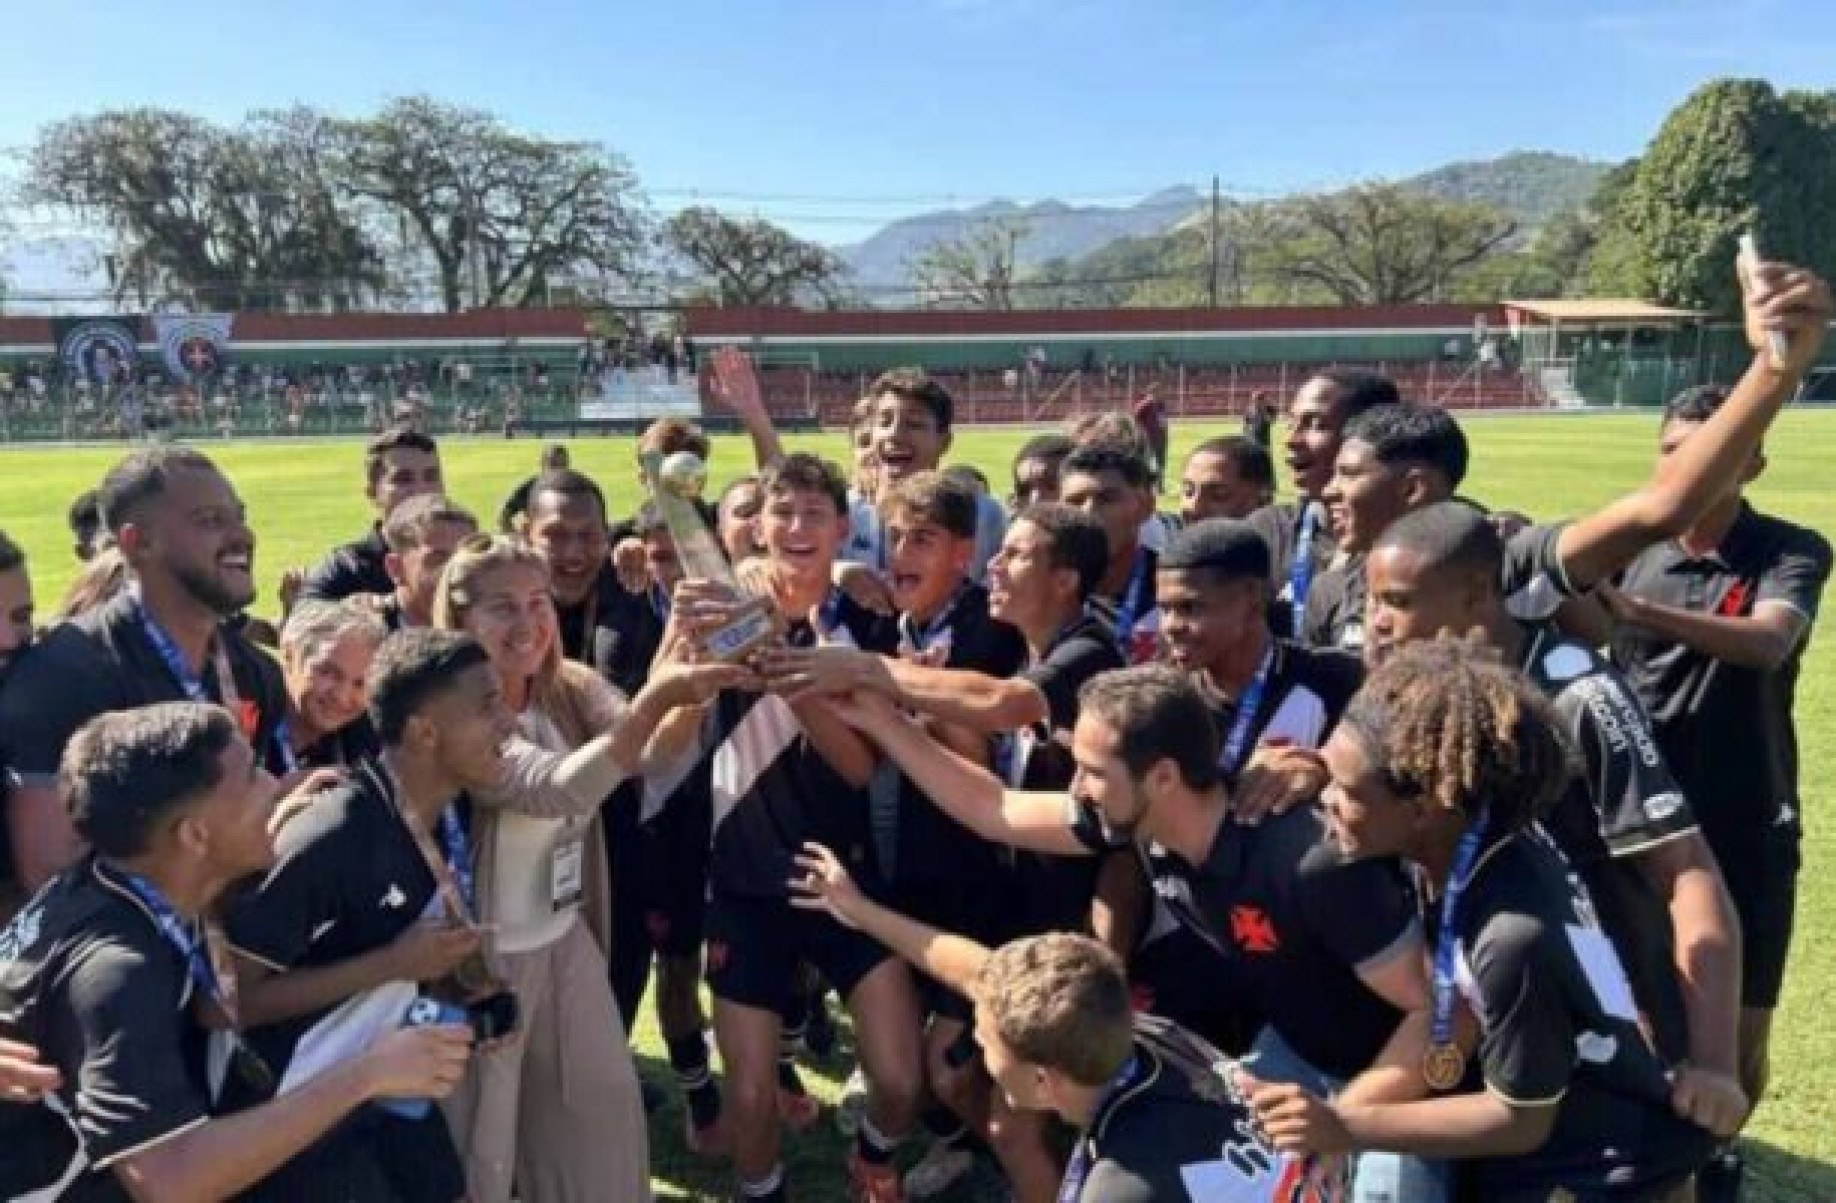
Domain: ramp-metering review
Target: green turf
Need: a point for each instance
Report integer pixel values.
(304, 496)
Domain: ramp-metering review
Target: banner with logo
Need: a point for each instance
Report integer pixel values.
(193, 345)
(101, 350)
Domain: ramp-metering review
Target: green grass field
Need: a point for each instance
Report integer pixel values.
(305, 496)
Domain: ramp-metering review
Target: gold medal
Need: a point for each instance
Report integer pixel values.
(1443, 1066)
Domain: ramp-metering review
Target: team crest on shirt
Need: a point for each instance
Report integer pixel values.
(1251, 929)
(394, 900)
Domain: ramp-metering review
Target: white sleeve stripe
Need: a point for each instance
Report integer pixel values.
(105, 1162)
(1633, 849)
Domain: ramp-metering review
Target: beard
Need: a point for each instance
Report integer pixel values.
(210, 592)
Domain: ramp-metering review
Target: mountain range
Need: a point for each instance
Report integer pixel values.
(1531, 186)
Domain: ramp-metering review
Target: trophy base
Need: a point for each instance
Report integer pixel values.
(754, 627)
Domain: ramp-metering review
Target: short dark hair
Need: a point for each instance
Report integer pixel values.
(12, 556)
(1052, 446)
(750, 480)
(968, 474)
(1157, 714)
(141, 477)
(411, 668)
(1359, 390)
(934, 497)
(85, 516)
(1110, 456)
(555, 455)
(1696, 404)
(1074, 540)
(1249, 459)
(396, 438)
(124, 771)
(1223, 548)
(1424, 435)
(1449, 536)
(802, 472)
(407, 525)
(566, 482)
(914, 384)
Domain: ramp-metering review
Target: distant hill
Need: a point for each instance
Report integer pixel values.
(1532, 186)
(1055, 230)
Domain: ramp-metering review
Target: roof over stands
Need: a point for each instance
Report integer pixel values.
(1603, 311)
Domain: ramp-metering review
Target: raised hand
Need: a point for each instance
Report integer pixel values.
(1783, 299)
(735, 384)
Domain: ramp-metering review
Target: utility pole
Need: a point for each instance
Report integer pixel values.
(1214, 242)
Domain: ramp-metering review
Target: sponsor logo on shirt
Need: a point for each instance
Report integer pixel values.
(394, 899)
(1659, 807)
(1566, 662)
(1596, 1048)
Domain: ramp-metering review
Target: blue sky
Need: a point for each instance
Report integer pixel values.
(846, 114)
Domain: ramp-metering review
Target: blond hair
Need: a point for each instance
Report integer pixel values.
(562, 690)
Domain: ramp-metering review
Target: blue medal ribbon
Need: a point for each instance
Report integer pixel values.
(659, 602)
(1466, 855)
(1077, 1173)
(1129, 613)
(192, 685)
(918, 639)
(458, 853)
(1236, 744)
(1300, 568)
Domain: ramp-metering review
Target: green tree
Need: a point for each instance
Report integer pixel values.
(1736, 156)
(975, 271)
(753, 262)
(246, 218)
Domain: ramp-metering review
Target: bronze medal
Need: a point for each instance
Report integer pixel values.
(1443, 1066)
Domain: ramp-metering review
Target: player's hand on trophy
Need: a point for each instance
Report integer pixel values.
(1780, 298)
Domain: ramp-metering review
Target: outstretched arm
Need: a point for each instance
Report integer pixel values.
(823, 884)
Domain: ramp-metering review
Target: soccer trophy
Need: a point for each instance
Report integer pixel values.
(676, 484)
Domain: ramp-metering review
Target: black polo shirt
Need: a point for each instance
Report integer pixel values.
(87, 978)
(1559, 1025)
(1280, 527)
(103, 661)
(1175, 1129)
(1053, 893)
(1621, 803)
(1296, 922)
(1176, 973)
(1531, 579)
(1699, 703)
(347, 880)
(613, 631)
(937, 856)
(772, 790)
(349, 745)
(354, 567)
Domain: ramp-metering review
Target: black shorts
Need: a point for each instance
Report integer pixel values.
(375, 1156)
(755, 945)
(674, 883)
(1762, 876)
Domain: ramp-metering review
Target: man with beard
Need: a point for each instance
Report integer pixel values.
(190, 559)
(1296, 531)
(398, 464)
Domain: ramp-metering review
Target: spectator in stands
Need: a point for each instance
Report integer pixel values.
(1036, 470)
(397, 465)
(110, 978)
(1227, 477)
(1259, 418)
(326, 649)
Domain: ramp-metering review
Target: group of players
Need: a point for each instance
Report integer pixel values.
(1367, 846)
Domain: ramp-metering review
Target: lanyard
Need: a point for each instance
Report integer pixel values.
(1230, 760)
(659, 602)
(193, 685)
(1078, 1171)
(1132, 597)
(588, 617)
(828, 615)
(1446, 941)
(1300, 568)
(455, 876)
